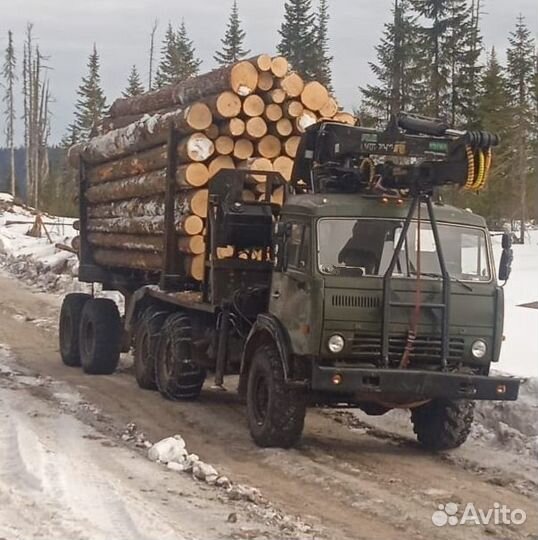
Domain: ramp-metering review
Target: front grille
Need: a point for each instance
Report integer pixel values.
(355, 301)
(426, 350)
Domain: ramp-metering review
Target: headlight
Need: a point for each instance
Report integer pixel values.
(479, 349)
(336, 344)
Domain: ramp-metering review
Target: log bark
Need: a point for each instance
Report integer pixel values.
(253, 106)
(314, 96)
(292, 145)
(224, 145)
(187, 224)
(243, 149)
(139, 260)
(242, 78)
(279, 66)
(144, 162)
(293, 84)
(152, 244)
(194, 202)
(131, 208)
(212, 132)
(256, 128)
(233, 128)
(147, 133)
(269, 147)
(273, 112)
(345, 118)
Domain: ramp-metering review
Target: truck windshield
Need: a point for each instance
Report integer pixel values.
(365, 247)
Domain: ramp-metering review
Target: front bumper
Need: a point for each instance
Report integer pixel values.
(413, 384)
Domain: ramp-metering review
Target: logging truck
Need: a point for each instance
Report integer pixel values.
(358, 288)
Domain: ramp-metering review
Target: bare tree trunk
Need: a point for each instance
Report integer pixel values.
(152, 54)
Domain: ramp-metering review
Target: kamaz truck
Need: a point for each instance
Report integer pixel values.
(363, 289)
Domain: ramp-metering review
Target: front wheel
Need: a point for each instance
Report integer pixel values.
(275, 412)
(443, 424)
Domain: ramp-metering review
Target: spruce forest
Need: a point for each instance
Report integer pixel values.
(431, 59)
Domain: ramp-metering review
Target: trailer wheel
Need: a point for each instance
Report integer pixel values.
(176, 374)
(69, 335)
(443, 424)
(100, 337)
(146, 346)
(275, 412)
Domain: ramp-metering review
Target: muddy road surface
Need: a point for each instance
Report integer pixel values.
(347, 479)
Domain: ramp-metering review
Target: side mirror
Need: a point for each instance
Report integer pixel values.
(507, 258)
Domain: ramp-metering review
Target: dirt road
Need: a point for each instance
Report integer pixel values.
(349, 483)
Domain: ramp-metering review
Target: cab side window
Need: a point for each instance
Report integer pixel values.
(298, 247)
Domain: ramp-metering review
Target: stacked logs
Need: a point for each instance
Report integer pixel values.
(250, 115)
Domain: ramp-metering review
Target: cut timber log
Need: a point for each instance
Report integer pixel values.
(192, 175)
(152, 244)
(273, 112)
(194, 202)
(269, 147)
(194, 267)
(266, 81)
(329, 109)
(242, 78)
(212, 132)
(141, 135)
(144, 162)
(190, 225)
(345, 118)
(314, 96)
(277, 96)
(243, 149)
(192, 245)
(292, 145)
(262, 63)
(256, 128)
(130, 208)
(279, 66)
(293, 109)
(284, 165)
(195, 147)
(283, 128)
(253, 106)
(224, 145)
(307, 119)
(219, 163)
(257, 164)
(224, 105)
(293, 85)
(233, 128)
(138, 260)
(248, 196)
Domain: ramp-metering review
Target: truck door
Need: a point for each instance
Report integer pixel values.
(291, 286)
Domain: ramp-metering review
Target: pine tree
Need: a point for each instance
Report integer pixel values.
(178, 57)
(134, 85)
(396, 69)
(233, 42)
(91, 103)
(521, 71)
(10, 77)
(298, 37)
(322, 69)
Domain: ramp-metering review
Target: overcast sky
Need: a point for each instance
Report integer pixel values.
(66, 30)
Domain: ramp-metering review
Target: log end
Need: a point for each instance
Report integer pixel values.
(244, 79)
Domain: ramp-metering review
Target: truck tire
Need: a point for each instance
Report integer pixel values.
(69, 331)
(177, 377)
(146, 342)
(100, 337)
(275, 412)
(443, 424)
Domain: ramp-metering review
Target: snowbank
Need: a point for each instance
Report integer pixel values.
(36, 260)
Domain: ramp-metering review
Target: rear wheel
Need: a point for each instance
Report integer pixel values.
(146, 346)
(70, 316)
(443, 424)
(275, 412)
(100, 337)
(177, 376)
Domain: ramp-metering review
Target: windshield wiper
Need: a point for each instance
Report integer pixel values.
(452, 278)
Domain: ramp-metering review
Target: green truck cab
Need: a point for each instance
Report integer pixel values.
(361, 289)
